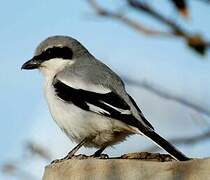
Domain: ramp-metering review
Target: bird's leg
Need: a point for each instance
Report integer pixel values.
(72, 152)
(98, 153)
(75, 149)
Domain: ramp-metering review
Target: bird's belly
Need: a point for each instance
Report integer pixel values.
(79, 124)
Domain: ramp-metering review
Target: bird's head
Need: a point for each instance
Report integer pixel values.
(55, 52)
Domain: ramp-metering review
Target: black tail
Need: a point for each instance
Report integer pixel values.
(165, 145)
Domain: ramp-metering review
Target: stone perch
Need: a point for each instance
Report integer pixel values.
(134, 166)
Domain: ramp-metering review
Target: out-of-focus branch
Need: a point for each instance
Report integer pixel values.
(35, 149)
(205, 1)
(167, 95)
(144, 7)
(126, 20)
(184, 141)
(12, 169)
(181, 6)
(194, 41)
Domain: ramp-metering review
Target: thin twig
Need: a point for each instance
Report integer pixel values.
(205, 1)
(128, 21)
(35, 149)
(194, 41)
(13, 170)
(158, 16)
(177, 29)
(167, 95)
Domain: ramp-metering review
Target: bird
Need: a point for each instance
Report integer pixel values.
(88, 100)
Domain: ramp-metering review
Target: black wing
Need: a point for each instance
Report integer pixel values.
(108, 104)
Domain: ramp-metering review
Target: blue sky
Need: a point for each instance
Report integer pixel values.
(165, 62)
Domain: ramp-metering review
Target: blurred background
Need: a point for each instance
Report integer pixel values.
(160, 48)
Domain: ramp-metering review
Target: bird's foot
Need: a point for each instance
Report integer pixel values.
(100, 156)
(80, 156)
(57, 161)
(70, 155)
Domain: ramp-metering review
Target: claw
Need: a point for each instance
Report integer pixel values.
(101, 156)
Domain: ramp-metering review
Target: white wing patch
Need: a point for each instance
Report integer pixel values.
(97, 109)
(122, 111)
(79, 84)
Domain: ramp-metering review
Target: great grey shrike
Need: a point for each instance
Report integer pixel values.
(87, 100)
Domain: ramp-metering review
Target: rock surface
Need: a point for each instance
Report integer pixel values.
(133, 166)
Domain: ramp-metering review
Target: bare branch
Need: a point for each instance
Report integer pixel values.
(181, 6)
(194, 41)
(198, 44)
(158, 16)
(169, 96)
(184, 141)
(128, 21)
(9, 168)
(12, 169)
(205, 1)
(35, 149)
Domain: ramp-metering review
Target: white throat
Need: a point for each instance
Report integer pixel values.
(51, 67)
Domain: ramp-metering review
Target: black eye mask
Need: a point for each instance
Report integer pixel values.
(55, 52)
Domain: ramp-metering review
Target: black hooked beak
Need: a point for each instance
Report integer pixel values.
(31, 64)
